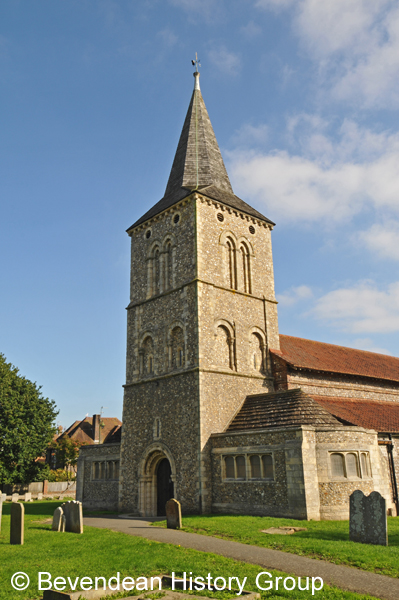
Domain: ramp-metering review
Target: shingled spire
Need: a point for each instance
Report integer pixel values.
(198, 164)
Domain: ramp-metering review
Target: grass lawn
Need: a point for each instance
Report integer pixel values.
(101, 552)
(326, 540)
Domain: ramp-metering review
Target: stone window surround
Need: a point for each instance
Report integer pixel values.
(345, 477)
(247, 456)
(105, 461)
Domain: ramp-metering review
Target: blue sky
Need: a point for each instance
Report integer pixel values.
(303, 96)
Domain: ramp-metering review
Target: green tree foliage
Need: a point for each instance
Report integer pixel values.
(67, 452)
(26, 425)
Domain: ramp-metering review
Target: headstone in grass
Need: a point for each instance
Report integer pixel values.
(17, 523)
(40, 495)
(368, 518)
(173, 514)
(28, 497)
(73, 516)
(57, 519)
(63, 522)
(15, 498)
(3, 497)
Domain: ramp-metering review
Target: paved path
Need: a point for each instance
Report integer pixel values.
(346, 578)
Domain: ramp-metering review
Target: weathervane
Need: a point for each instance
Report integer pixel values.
(196, 63)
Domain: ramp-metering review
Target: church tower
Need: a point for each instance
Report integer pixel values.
(201, 319)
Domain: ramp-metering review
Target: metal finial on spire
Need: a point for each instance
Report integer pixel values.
(196, 63)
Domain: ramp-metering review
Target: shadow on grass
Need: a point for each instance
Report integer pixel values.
(36, 508)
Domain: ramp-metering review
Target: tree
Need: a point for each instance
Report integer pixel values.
(66, 453)
(26, 425)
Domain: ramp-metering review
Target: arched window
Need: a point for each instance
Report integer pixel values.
(255, 466)
(337, 465)
(229, 467)
(257, 353)
(154, 272)
(176, 348)
(365, 465)
(231, 263)
(224, 348)
(146, 356)
(245, 268)
(351, 465)
(168, 266)
(267, 464)
(240, 466)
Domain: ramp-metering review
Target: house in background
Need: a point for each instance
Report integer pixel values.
(89, 431)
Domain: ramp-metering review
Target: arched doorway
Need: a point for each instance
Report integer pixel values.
(164, 486)
(157, 480)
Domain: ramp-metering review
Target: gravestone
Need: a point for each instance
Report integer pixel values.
(15, 498)
(173, 514)
(17, 523)
(40, 495)
(73, 516)
(368, 518)
(57, 519)
(3, 497)
(63, 522)
(28, 497)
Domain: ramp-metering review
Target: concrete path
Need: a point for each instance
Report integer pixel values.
(346, 578)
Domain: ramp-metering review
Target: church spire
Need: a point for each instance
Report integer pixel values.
(198, 163)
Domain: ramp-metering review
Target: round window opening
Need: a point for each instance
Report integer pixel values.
(220, 217)
(148, 234)
(176, 219)
(251, 229)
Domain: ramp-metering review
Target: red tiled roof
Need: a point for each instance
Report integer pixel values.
(371, 414)
(82, 431)
(307, 354)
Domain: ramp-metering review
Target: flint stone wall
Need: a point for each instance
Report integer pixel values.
(100, 493)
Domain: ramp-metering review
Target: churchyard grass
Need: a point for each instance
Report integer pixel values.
(101, 552)
(325, 540)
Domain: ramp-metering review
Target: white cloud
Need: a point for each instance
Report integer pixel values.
(383, 239)
(251, 30)
(354, 42)
(294, 295)
(326, 179)
(362, 308)
(226, 61)
(250, 135)
(368, 344)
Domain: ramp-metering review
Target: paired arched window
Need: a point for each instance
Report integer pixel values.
(237, 262)
(160, 272)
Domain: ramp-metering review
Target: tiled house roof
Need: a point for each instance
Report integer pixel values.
(280, 409)
(82, 431)
(381, 416)
(318, 356)
(198, 165)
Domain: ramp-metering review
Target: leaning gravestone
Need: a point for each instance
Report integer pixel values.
(15, 498)
(368, 518)
(173, 514)
(57, 519)
(17, 523)
(73, 516)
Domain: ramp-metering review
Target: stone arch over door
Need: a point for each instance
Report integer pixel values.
(150, 477)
